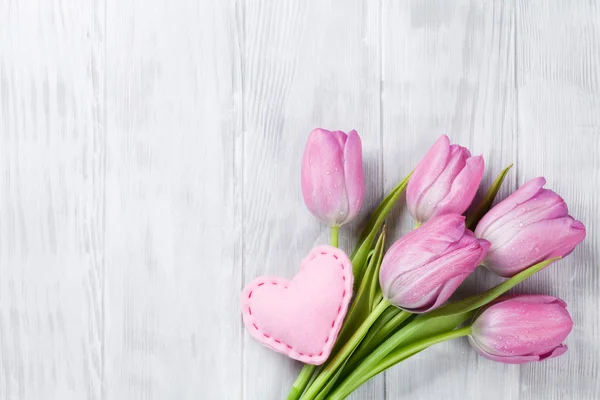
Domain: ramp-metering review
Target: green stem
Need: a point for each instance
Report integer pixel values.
(369, 342)
(335, 233)
(385, 348)
(325, 391)
(345, 352)
(359, 255)
(375, 339)
(368, 370)
(301, 382)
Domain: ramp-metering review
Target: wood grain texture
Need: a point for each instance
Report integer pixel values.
(51, 199)
(449, 68)
(558, 80)
(172, 283)
(150, 163)
(306, 65)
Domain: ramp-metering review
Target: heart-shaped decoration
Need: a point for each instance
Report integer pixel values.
(301, 318)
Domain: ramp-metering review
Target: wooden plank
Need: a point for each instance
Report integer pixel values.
(558, 58)
(51, 199)
(306, 65)
(172, 276)
(448, 68)
(129, 222)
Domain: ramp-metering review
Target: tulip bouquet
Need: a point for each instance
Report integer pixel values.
(354, 317)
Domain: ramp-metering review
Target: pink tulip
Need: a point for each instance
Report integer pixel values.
(333, 184)
(422, 270)
(521, 329)
(527, 227)
(444, 182)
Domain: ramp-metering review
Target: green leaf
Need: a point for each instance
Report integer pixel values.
(359, 256)
(427, 326)
(381, 330)
(371, 279)
(473, 302)
(443, 319)
(451, 315)
(394, 357)
(384, 319)
(389, 322)
(386, 316)
(488, 199)
(325, 391)
(423, 328)
(391, 197)
(361, 305)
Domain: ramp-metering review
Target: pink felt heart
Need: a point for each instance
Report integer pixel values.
(301, 318)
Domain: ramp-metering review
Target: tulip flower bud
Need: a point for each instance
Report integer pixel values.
(333, 184)
(422, 270)
(522, 329)
(529, 226)
(444, 182)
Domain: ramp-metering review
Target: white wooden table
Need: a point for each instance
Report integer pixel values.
(150, 159)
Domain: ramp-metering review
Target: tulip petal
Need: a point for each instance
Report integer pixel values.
(529, 226)
(444, 182)
(422, 245)
(430, 198)
(440, 296)
(322, 180)
(522, 328)
(559, 351)
(428, 170)
(536, 242)
(502, 359)
(498, 214)
(421, 270)
(533, 298)
(354, 175)
(341, 138)
(463, 188)
(434, 283)
(544, 205)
